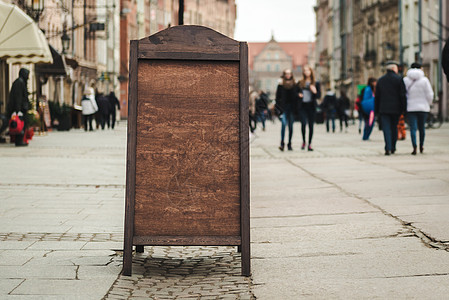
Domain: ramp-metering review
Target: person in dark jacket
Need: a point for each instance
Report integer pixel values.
(113, 103)
(343, 106)
(311, 92)
(103, 110)
(261, 108)
(287, 98)
(18, 102)
(390, 102)
(329, 106)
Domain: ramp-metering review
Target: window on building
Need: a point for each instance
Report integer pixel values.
(268, 67)
(276, 55)
(268, 56)
(277, 68)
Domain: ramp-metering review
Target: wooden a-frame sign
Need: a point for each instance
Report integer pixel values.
(187, 174)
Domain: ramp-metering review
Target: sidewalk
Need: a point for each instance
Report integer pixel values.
(347, 222)
(343, 221)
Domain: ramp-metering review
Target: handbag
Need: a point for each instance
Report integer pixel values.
(16, 123)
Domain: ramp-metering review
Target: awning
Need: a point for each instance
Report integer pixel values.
(58, 67)
(21, 40)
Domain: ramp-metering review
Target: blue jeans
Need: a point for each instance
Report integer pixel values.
(287, 119)
(417, 120)
(330, 116)
(367, 129)
(390, 129)
(260, 116)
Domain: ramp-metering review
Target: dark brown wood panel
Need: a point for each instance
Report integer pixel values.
(188, 155)
(131, 160)
(184, 41)
(187, 241)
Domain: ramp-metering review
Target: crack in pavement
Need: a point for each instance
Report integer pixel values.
(425, 239)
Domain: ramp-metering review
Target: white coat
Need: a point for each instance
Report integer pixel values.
(419, 91)
(89, 105)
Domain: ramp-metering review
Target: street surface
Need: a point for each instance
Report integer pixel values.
(341, 222)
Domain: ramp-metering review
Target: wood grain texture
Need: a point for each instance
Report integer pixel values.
(187, 240)
(131, 160)
(189, 42)
(188, 155)
(244, 161)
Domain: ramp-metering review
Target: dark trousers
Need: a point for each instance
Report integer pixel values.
(390, 129)
(343, 118)
(330, 116)
(307, 118)
(88, 120)
(104, 120)
(112, 116)
(417, 120)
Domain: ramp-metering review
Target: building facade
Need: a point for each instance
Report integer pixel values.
(355, 39)
(268, 60)
(142, 18)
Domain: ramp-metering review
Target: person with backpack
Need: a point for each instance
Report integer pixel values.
(367, 107)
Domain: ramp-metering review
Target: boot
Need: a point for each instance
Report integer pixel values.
(421, 149)
(281, 147)
(289, 147)
(414, 151)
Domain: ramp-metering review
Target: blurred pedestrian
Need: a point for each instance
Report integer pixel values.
(367, 107)
(287, 102)
(261, 108)
(343, 109)
(329, 106)
(104, 109)
(89, 107)
(311, 92)
(358, 109)
(402, 134)
(445, 59)
(252, 111)
(19, 103)
(390, 103)
(419, 99)
(114, 104)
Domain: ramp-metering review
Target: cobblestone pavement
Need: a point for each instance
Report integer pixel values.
(184, 273)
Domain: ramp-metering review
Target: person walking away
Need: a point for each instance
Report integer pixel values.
(401, 128)
(104, 110)
(390, 103)
(310, 89)
(261, 108)
(252, 111)
(19, 103)
(343, 106)
(89, 107)
(329, 106)
(367, 107)
(287, 101)
(419, 98)
(114, 104)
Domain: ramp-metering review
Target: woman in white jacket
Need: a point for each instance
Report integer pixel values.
(419, 98)
(89, 106)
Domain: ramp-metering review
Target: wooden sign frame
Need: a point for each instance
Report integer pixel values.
(224, 222)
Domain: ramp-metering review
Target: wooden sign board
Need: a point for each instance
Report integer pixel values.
(187, 181)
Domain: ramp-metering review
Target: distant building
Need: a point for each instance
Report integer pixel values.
(268, 60)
